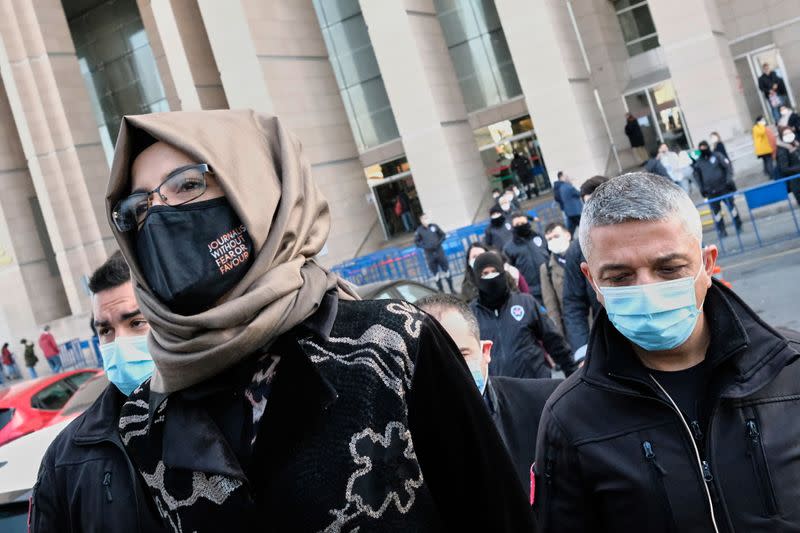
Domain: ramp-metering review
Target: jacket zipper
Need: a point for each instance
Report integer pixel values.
(705, 469)
(657, 472)
(755, 449)
(548, 481)
(107, 485)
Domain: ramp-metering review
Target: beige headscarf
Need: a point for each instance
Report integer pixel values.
(268, 183)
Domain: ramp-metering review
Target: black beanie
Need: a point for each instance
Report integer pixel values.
(488, 259)
(495, 209)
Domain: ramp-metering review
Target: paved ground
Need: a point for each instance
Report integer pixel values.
(768, 279)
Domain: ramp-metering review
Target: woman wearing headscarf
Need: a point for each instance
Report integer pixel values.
(279, 402)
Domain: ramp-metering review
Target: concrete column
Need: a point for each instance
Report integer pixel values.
(187, 52)
(229, 35)
(272, 58)
(34, 112)
(608, 59)
(696, 49)
(428, 107)
(556, 85)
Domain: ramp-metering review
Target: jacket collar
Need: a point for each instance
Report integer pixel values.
(99, 422)
(755, 351)
(320, 324)
(299, 394)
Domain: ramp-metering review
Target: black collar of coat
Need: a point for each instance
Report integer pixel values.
(740, 341)
(319, 324)
(299, 395)
(99, 421)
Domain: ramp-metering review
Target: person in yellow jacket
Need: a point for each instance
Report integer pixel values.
(763, 146)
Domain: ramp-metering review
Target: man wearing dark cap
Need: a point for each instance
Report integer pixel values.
(498, 232)
(520, 332)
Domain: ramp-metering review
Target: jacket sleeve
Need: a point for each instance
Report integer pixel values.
(698, 177)
(559, 504)
(47, 513)
(488, 236)
(445, 407)
(726, 164)
(417, 239)
(576, 307)
(550, 299)
(785, 164)
(553, 341)
(442, 235)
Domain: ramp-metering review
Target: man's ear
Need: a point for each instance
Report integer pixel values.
(710, 260)
(486, 351)
(588, 274)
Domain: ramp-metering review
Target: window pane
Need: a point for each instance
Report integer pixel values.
(412, 293)
(643, 20)
(333, 11)
(53, 397)
(76, 380)
(643, 46)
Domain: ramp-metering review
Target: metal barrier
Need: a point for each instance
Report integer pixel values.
(409, 263)
(771, 228)
(76, 354)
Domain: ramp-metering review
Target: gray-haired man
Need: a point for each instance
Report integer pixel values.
(685, 417)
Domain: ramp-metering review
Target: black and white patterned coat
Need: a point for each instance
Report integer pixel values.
(375, 427)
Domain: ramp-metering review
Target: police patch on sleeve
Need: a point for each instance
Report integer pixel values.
(518, 312)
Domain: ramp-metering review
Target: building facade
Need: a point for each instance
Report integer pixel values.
(401, 105)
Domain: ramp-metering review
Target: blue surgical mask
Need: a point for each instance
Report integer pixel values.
(127, 362)
(477, 375)
(656, 316)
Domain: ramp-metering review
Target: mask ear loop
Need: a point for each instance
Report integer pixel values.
(702, 262)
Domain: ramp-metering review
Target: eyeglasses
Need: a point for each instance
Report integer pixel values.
(181, 186)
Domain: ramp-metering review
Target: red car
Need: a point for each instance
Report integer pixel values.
(26, 407)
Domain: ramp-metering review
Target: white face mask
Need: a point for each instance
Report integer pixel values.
(762, 122)
(788, 138)
(559, 245)
(785, 112)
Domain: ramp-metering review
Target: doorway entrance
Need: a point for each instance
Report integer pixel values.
(748, 67)
(658, 111)
(497, 144)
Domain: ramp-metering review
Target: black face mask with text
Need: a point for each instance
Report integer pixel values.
(191, 255)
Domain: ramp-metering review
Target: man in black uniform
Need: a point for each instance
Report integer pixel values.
(516, 324)
(515, 404)
(527, 251)
(714, 174)
(498, 232)
(430, 237)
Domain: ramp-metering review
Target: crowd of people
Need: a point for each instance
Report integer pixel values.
(251, 389)
(48, 346)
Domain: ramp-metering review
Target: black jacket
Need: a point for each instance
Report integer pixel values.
(521, 332)
(527, 256)
(516, 406)
(357, 433)
(714, 175)
(429, 239)
(497, 236)
(765, 83)
(613, 454)
(579, 299)
(634, 133)
(788, 159)
(86, 482)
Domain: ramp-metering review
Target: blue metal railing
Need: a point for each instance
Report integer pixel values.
(756, 197)
(409, 262)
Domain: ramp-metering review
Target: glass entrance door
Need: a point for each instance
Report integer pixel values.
(750, 67)
(659, 114)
